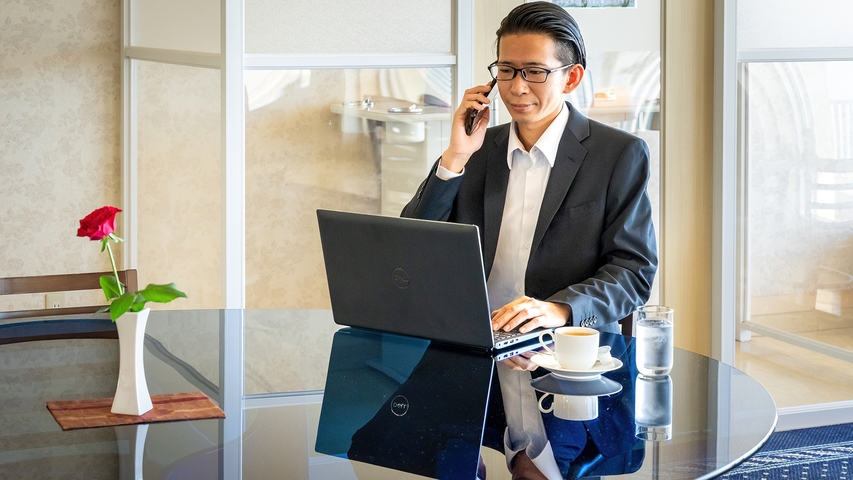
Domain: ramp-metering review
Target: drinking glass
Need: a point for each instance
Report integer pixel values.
(654, 340)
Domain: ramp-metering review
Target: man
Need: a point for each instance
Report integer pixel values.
(560, 200)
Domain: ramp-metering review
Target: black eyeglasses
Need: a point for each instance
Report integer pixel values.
(504, 73)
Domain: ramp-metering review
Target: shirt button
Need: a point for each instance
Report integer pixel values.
(530, 206)
(527, 246)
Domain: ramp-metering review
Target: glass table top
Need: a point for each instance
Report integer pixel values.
(305, 398)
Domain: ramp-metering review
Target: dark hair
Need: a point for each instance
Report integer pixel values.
(548, 19)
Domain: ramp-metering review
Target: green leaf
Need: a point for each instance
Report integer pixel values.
(116, 238)
(110, 286)
(138, 302)
(162, 293)
(121, 305)
(103, 244)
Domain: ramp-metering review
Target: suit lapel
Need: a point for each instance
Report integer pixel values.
(497, 179)
(570, 155)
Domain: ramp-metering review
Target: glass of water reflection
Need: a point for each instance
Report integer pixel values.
(653, 408)
(654, 340)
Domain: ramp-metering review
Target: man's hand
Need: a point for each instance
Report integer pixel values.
(522, 467)
(527, 313)
(462, 145)
(520, 362)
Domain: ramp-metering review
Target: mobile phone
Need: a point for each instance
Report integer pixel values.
(474, 115)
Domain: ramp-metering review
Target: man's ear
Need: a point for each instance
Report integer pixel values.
(573, 79)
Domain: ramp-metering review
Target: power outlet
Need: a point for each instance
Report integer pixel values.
(54, 300)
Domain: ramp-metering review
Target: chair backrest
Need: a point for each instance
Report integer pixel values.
(627, 325)
(59, 283)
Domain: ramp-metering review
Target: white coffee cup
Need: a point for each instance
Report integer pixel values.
(575, 348)
(570, 407)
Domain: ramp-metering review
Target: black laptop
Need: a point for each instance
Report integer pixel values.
(413, 277)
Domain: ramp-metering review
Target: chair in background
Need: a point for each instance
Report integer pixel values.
(627, 325)
(34, 329)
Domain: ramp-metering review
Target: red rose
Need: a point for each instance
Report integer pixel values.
(99, 223)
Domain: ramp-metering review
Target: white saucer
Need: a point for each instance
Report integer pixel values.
(548, 362)
(595, 386)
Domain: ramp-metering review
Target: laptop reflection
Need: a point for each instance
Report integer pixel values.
(405, 404)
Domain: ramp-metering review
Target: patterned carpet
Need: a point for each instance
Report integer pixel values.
(824, 453)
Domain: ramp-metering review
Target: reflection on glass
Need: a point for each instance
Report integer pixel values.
(355, 140)
(653, 408)
(796, 154)
(570, 407)
(585, 434)
(623, 90)
(405, 404)
(179, 181)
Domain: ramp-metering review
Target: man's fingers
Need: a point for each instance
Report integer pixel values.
(519, 362)
(530, 325)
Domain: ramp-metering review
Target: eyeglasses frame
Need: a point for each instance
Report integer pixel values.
(523, 74)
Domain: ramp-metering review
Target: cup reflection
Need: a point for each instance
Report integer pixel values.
(570, 407)
(653, 408)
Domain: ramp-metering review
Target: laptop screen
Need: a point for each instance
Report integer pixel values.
(413, 277)
(404, 403)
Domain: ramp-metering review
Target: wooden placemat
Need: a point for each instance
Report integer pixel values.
(73, 414)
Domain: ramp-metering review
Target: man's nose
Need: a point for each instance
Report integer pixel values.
(518, 85)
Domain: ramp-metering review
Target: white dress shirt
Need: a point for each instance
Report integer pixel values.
(525, 429)
(528, 177)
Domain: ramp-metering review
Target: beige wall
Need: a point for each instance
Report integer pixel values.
(688, 64)
(59, 135)
(60, 154)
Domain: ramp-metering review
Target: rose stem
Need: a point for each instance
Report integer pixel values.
(115, 271)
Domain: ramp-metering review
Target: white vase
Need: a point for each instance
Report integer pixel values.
(132, 397)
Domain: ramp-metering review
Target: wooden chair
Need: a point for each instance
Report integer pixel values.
(11, 332)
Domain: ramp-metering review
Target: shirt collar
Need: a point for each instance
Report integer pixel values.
(547, 143)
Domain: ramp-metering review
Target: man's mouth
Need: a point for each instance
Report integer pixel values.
(521, 107)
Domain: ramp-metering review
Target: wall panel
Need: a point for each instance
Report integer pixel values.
(687, 170)
(59, 135)
(186, 25)
(793, 24)
(335, 27)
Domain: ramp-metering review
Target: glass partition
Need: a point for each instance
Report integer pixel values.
(179, 217)
(797, 170)
(357, 140)
(622, 83)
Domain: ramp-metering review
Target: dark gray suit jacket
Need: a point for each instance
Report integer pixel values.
(594, 244)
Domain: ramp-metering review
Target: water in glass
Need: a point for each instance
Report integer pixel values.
(654, 346)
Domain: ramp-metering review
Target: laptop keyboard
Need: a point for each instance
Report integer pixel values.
(502, 335)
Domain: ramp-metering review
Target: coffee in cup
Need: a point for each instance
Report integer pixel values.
(575, 348)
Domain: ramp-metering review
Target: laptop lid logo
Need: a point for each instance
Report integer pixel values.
(399, 405)
(401, 278)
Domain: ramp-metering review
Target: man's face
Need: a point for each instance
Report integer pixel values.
(534, 105)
